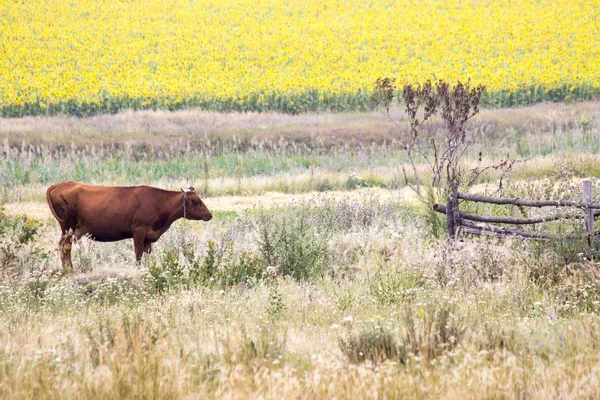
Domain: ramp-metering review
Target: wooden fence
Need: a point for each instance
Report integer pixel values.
(460, 221)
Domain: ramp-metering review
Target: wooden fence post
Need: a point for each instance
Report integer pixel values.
(589, 213)
(452, 212)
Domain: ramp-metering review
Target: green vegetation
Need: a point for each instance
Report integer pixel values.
(288, 159)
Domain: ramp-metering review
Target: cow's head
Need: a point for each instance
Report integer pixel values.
(194, 207)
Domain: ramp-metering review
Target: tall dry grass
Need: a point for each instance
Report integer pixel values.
(387, 314)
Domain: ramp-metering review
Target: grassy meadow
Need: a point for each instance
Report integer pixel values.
(322, 275)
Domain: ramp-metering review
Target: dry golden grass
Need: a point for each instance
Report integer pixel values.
(159, 128)
(197, 344)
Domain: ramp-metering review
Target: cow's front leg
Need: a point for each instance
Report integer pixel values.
(65, 244)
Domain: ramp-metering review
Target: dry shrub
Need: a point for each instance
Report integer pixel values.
(264, 346)
(434, 330)
(427, 333)
(375, 342)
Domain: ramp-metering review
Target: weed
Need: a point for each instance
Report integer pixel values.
(431, 330)
(276, 306)
(294, 243)
(265, 346)
(374, 342)
(17, 245)
(390, 285)
(246, 268)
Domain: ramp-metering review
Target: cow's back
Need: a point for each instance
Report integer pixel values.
(103, 212)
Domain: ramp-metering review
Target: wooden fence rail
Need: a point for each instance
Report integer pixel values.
(457, 220)
(511, 220)
(527, 203)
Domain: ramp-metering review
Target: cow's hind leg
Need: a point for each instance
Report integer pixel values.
(65, 244)
(147, 247)
(140, 245)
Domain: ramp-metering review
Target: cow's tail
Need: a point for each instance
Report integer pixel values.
(51, 205)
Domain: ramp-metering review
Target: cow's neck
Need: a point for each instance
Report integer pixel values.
(179, 206)
(176, 205)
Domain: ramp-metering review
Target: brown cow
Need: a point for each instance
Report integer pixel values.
(108, 214)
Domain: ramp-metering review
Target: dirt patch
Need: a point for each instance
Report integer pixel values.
(39, 210)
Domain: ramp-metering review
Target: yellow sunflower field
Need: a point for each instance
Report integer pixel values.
(86, 57)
